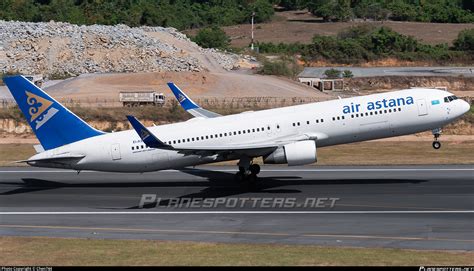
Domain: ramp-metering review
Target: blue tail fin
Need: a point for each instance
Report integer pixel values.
(53, 124)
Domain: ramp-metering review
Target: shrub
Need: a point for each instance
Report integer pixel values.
(347, 74)
(332, 73)
(280, 67)
(465, 40)
(212, 38)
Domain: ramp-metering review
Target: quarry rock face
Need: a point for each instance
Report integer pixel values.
(63, 49)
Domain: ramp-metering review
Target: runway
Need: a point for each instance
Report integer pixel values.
(419, 207)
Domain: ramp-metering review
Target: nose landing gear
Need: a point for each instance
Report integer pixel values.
(436, 133)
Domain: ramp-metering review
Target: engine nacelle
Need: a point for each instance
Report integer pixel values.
(295, 154)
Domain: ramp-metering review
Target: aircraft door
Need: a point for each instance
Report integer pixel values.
(422, 107)
(115, 151)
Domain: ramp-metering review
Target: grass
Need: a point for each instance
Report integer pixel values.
(364, 153)
(397, 153)
(15, 152)
(62, 251)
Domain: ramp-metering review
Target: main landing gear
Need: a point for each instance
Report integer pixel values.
(247, 171)
(436, 134)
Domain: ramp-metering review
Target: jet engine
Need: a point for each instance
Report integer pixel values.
(295, 154)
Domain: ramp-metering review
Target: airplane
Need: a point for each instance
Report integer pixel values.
(287, 135)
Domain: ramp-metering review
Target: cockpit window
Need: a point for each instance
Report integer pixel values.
(450, 98)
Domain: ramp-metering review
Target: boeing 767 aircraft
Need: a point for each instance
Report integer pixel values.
(288, 135)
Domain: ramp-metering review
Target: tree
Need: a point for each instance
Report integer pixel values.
(263, 10)
(321, 8)
(332, 73)
(213, 37)
(402, 11)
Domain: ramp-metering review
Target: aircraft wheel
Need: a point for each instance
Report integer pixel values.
(436, 145)
(255, 169)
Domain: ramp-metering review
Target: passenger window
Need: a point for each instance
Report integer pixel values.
(239, 132)
(317, 121)
(371, 113)
(307, 122)
(258, 129)
(133, 148)
(333, 118)
(352, 116)
(338, 118)
(400, 109)
(322, 120)
(248, 131)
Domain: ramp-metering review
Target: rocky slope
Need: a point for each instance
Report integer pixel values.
(56, 48)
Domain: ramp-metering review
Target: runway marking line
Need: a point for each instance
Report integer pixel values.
(263, 170)
(401, 238)
(234, 212)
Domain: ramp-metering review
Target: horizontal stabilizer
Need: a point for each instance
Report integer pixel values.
(53, 159)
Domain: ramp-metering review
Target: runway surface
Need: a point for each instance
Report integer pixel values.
(420, 207)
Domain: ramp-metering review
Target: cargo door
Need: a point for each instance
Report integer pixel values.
(422, 108)
(115, 151)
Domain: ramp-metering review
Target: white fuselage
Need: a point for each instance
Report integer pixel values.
(331, 122)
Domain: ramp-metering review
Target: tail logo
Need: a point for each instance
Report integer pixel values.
(181, 97)
(40, 109)
(144, 134)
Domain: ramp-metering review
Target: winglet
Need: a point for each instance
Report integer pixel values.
(189, 105)
(147, 137)
(182, 98)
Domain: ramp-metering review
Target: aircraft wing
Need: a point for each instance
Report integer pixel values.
(189, 105)
(255, 148)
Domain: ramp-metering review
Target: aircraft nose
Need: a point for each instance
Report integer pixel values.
(465, 106)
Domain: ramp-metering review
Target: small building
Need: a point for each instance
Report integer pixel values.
(322, 84)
